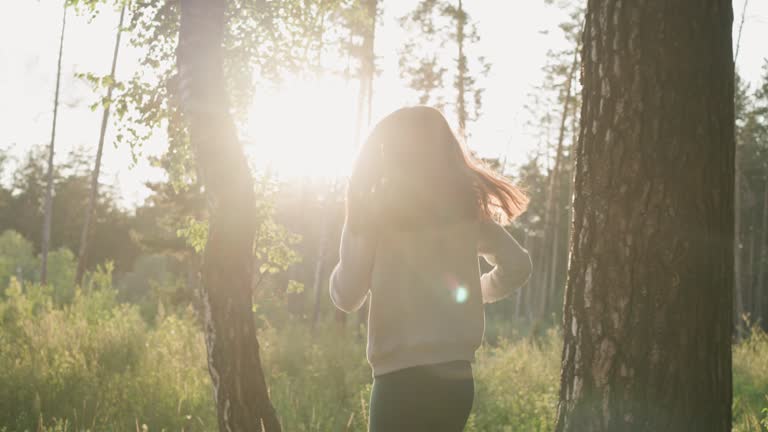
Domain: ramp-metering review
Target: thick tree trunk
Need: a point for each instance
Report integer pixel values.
(240, 390)
(647, 319)
(48, 206)
(94, 192)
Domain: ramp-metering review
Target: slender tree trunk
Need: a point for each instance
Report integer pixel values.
(553, 263)
(518, 303)
(738, 290)
(361, 96)
(749, 298)
(647, 319)
(569, 194)
(373, 11)
(366, 72)
(572, 169)
(240, 390)
(759, 295)
(519, 294)
(737, 252)
(551, 213)
(48, 211)
(461, 76)
(322, 247)
(340, 317)
(533, 288)
(539, 252)
(525, 302)
(369, 61)
(94, 193)
(741, 27)
(367, 81)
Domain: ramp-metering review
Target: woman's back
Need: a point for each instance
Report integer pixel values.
(426, 303)
(419, 212)
(426, 291)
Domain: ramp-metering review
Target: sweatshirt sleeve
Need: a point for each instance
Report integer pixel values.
(512, 264)
(351, 279)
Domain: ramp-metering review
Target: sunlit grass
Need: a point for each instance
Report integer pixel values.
(750, 382)
(96, 365)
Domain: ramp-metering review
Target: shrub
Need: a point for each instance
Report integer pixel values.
(96, 364)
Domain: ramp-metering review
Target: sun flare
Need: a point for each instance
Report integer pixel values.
(304, 128)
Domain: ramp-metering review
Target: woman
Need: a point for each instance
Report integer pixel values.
(419, 212)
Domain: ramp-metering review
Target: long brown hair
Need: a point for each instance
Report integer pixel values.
(413, 170)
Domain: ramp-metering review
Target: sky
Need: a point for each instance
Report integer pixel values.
(294, 127)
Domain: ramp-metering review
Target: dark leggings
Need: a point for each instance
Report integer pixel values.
(423, 398)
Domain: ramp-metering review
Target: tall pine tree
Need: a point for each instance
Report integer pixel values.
(647, 321)
(440, 48)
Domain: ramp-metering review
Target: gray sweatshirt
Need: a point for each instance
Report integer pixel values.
(426, 290)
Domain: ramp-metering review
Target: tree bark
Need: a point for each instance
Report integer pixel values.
(234, 363)
(48, 209)
(94, 192)
(647, 318)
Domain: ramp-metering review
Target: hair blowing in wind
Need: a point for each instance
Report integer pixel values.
(413, 170)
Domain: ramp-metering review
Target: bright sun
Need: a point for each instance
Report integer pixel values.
(304, 128)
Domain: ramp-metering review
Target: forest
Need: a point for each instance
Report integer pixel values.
(172, 271)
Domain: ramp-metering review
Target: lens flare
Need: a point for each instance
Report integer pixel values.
(461, 294)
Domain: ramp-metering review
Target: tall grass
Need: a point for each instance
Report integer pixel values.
(750, 382)
(96, 365)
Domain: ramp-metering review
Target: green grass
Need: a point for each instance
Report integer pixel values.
(96, 365)
(750, 382)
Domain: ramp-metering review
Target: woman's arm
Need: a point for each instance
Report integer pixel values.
(351, 279)
(512, 264)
